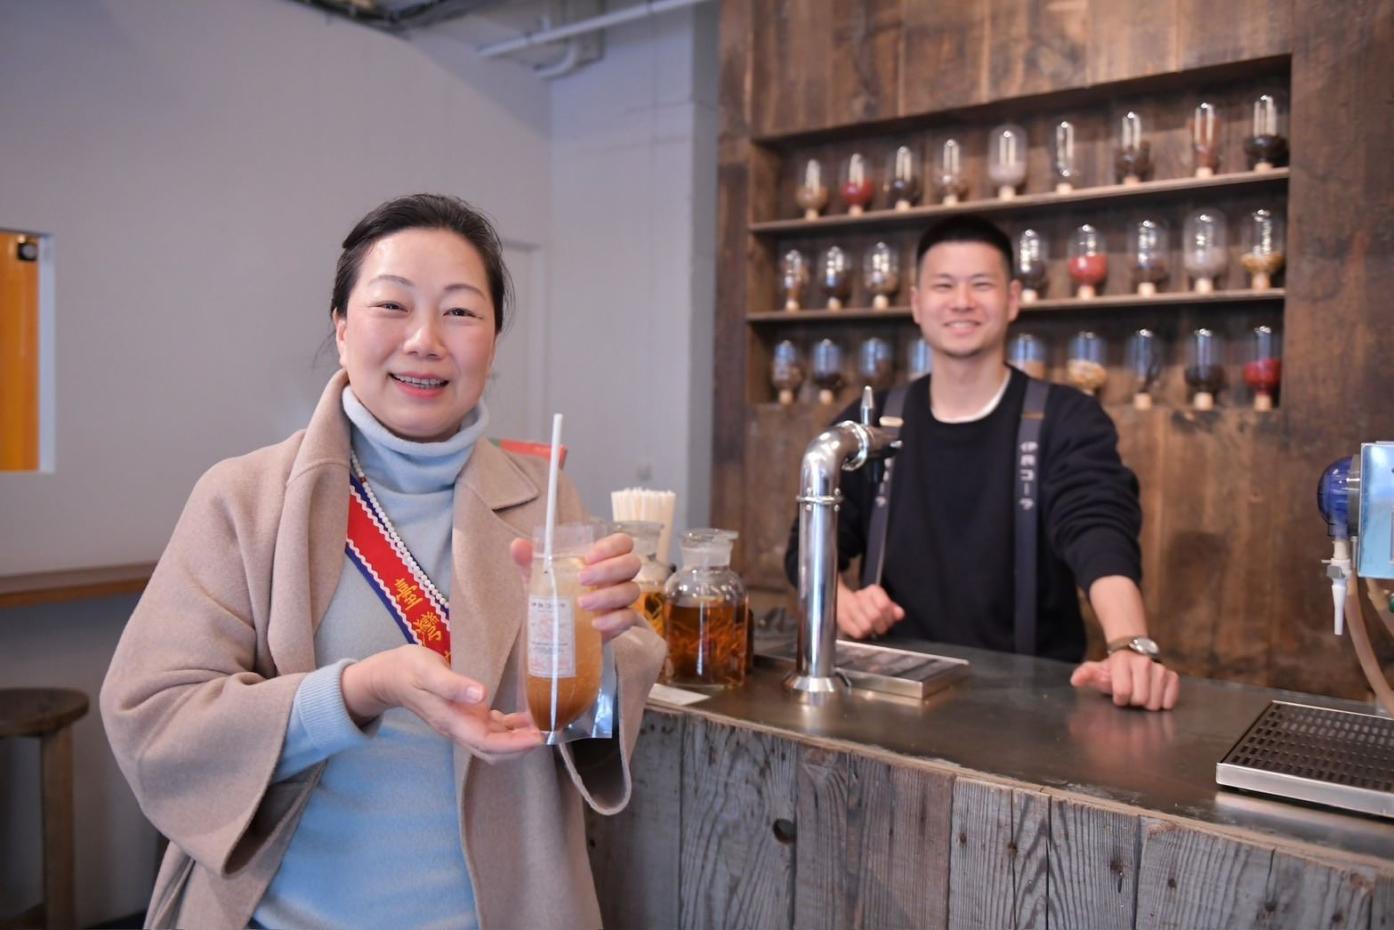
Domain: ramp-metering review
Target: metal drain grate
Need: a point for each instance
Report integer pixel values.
(1332, 757)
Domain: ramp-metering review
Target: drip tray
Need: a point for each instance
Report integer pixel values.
(1333, 757)
(901, 672)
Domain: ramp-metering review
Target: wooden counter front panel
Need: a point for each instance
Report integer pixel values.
(735, 827)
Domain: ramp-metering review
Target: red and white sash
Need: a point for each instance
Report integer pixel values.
(393, 572)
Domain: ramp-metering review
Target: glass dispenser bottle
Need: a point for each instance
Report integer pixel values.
(881, 274)
(1145, 363)
(812, 192)
(1063, 164)
(1205, 372)
(876, 363)
(1262, 255)
(1085, 366)
(1205, 139)
(919, 360)
(1206, 243)
(857, 185)
(1263, 372)
(1148, 248)
(827, 370)
(793, 278)
(786, 371)
(706, 615)
(1132, 160)
(903, 178)
(1006, 159)
(1267, 144)
(653, 574)
(1031, 268)
(1088, 264)
(949, 181)
(1027, 354)
(835, 275)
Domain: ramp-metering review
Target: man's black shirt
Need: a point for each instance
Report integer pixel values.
(950, 534)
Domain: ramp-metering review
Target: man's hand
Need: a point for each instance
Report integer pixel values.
(868, 612)
(1132, 679)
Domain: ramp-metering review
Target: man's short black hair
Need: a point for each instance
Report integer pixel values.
(966, 227)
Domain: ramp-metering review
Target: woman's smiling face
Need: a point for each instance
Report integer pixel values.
(417, 336)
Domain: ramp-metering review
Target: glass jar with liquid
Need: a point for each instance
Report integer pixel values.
(707, 615)
(653, 574)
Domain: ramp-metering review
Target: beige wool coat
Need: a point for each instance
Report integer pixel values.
(198, 696)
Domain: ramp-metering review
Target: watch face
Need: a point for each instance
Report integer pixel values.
(1145, 646)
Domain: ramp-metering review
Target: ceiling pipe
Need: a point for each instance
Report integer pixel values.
(584, 26)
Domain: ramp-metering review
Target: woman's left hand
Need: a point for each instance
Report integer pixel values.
(609, 575)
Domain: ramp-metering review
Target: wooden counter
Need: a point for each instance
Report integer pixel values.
(1010, 800)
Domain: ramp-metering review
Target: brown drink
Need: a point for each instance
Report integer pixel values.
(563, 646)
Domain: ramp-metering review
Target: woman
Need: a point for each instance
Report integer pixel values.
(314, 759)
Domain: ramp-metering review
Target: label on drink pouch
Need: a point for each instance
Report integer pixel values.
(551, 637)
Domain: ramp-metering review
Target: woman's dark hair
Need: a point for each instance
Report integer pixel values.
(424, 211)
(966, 228)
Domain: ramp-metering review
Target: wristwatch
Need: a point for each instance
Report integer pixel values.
(1142, 645)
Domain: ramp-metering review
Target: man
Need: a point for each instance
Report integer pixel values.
(972, 469)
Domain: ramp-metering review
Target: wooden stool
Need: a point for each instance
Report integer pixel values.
(48, 714)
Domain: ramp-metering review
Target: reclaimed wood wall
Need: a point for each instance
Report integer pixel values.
(734, 827)
(1232, 539)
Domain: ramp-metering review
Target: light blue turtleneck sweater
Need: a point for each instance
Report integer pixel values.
(379, 844)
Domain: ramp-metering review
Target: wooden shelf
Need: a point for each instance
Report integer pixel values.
(1024, 203)
(73, 584)
(1103, 302)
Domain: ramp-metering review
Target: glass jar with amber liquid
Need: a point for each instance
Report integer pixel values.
(707, 615)
(653, 574)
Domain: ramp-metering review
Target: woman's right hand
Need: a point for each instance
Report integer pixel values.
(454, 706)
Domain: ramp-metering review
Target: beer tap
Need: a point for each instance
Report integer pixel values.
(846, 446)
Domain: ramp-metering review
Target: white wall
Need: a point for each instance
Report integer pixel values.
(198, 163)
(631, 274)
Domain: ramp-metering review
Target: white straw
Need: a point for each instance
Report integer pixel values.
(553, 467)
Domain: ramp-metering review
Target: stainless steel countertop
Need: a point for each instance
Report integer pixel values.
(1019, 718)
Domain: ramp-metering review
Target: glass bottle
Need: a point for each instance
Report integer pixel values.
(903, 178)
(1145, 363)
(881, 274)
(1267, 144)
(1132, 159)
(1031, 269)
(1206, 241)
(949, 181)
(835, 275)
(827, 370)
(1263, 372)
(1088, 261)
(1027, 354)
(919, 360)
(786, 371)
(706, 616)
(812, 192)
(1085, 365)
(1062, 157)
(653, 574)
(793, 278)
(876, 363)
(857, 185)
(1006, 159)
(1262, 255)
(1149, 247)
(1205, 372)
(1205, 139)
